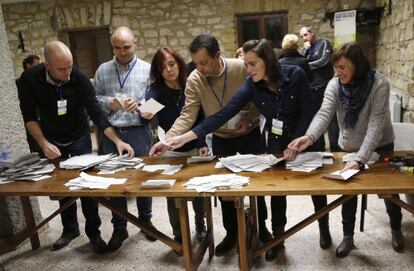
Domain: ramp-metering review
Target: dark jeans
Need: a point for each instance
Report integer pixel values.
(173, 214)
(250, 143)
(69, 217)
(349, 208)
(278, 205)
(140, 139)
(317, 95)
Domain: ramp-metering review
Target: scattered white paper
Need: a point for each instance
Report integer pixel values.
(249, 162)
(151, 106)
(93, 182)
(84, 161)
(197, 159)
(218, 181)
(158, 183)
(167, 169)
(338, 175)
(353, 156)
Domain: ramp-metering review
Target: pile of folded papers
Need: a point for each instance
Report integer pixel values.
(83, 162)
(107, 164)
(25, 167)
(248, 162)
(217, 181)
(86, 181)
(119, 163)
(306, 162)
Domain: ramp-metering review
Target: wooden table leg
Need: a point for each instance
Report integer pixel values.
(30, 221)
(210, 229)
(181, 204)
(241, 227)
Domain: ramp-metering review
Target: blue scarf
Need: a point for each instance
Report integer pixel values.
(352, 98)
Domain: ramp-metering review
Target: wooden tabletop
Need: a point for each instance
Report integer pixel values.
(378, 179)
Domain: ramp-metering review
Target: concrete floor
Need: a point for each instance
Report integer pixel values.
(301, 252)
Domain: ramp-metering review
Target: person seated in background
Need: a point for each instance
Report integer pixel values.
(168, 76)
(291, 56)
(281, 94)
(359, 96)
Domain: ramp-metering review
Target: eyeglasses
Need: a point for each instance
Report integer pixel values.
(171, 65)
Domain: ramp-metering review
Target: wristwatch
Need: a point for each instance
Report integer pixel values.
(361, 165)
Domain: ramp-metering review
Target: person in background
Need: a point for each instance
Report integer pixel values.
(291, 56)
(53, 98)
(209, 88)
(281, 94)
(359, 97)
(30, 61)
(168, 78)
(120, 85)
(239, 53)
(318, 53)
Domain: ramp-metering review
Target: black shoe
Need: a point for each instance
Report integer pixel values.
(118, 236)
(65, 239)
(345, 247)
(147, 236)
(397, 240)
(226, 245)
(325, 240)
(201, 233)
(271, 254)
(98, 244)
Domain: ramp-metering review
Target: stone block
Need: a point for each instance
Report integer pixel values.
(118, 20)
(410, 89)
(408, 116)
(215, 20)
(150, 34)
(164, 4)
(410, 104)
(106, 10)
(166, 32)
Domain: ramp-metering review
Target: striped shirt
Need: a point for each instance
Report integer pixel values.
(108, 86)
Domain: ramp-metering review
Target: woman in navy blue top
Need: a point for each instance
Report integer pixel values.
(281, 94)
(168, 78)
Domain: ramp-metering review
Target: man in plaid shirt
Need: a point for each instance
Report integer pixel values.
(120, 86)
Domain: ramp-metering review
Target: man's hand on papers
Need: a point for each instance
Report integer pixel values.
(158, 149)
(50, 150)
(115, 104)
(203, 151)
(289, 154)
(300, 143)
(177, 141)
(123, 147)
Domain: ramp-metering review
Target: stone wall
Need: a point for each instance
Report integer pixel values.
(160, 23)
(13, 134)
(395, 52)
(155, 23)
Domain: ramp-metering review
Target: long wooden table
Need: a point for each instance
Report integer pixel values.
(379, 179)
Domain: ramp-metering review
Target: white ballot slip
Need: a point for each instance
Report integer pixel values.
(151, 106)
(337, 175)
(158, 183)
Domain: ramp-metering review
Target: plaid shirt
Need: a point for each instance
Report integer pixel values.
(107, 86)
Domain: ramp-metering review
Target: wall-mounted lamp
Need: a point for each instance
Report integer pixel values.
(21, 41)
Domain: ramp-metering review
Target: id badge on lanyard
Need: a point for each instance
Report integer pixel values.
(277, 127)
(62, 107)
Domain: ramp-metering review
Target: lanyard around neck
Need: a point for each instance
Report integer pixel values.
(122, 83)
(220, 101)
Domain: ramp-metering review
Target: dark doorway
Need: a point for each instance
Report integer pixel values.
(271, 26)
(90, 48)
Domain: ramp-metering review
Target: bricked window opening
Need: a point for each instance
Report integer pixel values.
(271, 26)
(90, 48)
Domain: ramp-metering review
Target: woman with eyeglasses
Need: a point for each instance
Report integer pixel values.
(168, 76)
